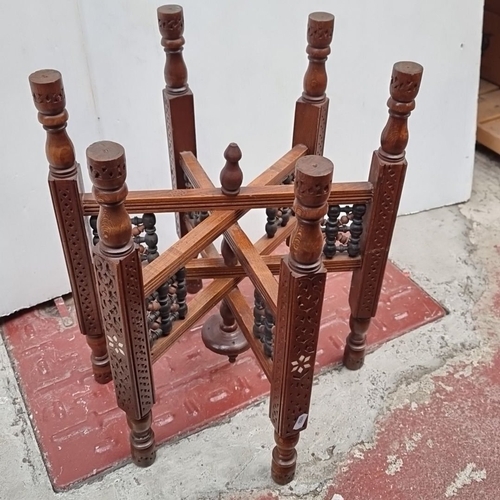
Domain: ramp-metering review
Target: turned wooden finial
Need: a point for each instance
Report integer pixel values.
(107, 169)
(319, 38)
(171, 24)
(48, 95)
(313, 178)
(404, 87)
(231, 176)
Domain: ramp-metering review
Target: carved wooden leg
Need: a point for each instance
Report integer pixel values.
(64, 184)
(178, 102)
(311, 109)
(142, 440)
(354, 353)
(121, 291)
(284, 458)
(387, 175)
(300, 301)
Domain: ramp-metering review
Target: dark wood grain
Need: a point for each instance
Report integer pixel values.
(311, 109)
(178, 102)
(213, 293)
(215, 267)
(188, 200)
(287, 313)
(239, 242)
(301, 288)
(193, 242)
(387, 175)
(122, 301)
(64, 184)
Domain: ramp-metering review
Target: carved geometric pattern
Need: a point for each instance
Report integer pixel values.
(301, 364)
(78, 255)
(112, 319)
(170, 139)
(294, 369)
(173, 25)
(104, 172)
(408, 87)
(52, 98)
(280, 347)
(171, 155)
(306, 323)
(139, 341)
(323, 115)
(318, 33)
(382, 219)
(115, 345)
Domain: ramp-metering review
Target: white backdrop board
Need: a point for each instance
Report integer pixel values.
(246, 61)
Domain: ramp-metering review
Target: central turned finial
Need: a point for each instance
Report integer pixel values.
(231, 175)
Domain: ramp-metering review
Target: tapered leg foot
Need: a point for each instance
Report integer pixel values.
(353, 360)
(284, 460)
(142, 441)
(100, 360)
(101, 370)
(355, 349)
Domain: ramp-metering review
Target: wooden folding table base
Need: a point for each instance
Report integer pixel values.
(143, 309)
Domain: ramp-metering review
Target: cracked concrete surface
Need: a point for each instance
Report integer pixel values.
(451, 252)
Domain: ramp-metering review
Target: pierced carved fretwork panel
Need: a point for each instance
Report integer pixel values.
(128, 343)
(138, 332)
(115, 335)
(323, 116)
(294, 367)
(170, 138)
(381, 225)
(77, 255)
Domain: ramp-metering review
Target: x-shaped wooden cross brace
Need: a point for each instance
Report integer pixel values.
(119, 285)
(199, 240)
(296, 301)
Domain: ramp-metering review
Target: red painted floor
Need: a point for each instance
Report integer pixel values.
(78, 426)
(446, 447)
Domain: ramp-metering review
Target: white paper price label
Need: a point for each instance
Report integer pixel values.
(300, 422)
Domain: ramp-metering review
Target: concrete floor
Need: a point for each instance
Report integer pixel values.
(363, 436)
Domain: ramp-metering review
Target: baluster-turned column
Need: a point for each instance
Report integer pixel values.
(165, 309)
(119, 278)
(272, 222)
(356, 230)
(64, 184)
(311, 109)
(179, 105)
(268, 331)
(150, 238)
(93, 226)
(258, 315)
(331, 231)
(286, 212)
(387, 174)
(221, 334)
(181, 292)
(301, 288)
